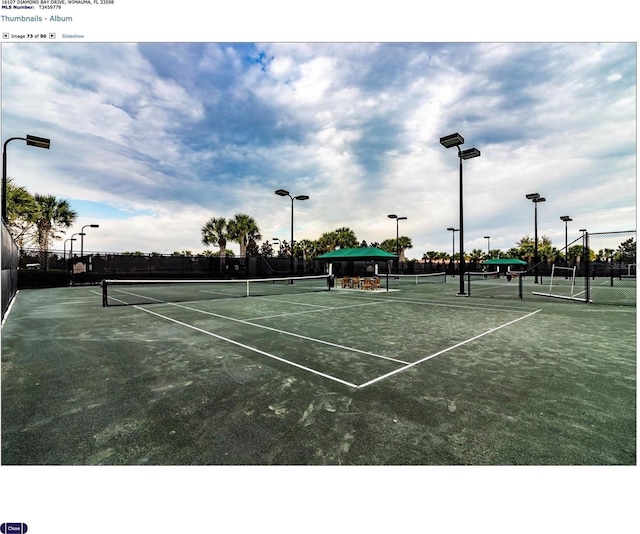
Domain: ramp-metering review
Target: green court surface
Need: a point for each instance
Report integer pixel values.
(412, 376)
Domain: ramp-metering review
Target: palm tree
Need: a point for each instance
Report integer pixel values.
(215, 232)
(307, 248)
(389, 245)
(21, 208)
(51, 216)
(476, 255)
(327, 242)
(242, 228)
(404, 243)
(345, 238)
(526, 248)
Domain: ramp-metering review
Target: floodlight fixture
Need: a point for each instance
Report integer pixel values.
(469, 153)
(40, 142)
(452, 140)
(282, 192)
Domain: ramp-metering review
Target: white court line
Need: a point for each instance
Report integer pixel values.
(8, 311)
(485, 307)
(324, 309)
(298, 303)
(445, 350)
(249, 348)
(306, 338)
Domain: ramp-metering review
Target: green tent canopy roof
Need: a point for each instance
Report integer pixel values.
(504, 261)
(357, 254)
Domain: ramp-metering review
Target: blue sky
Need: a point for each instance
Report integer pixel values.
(151, 140)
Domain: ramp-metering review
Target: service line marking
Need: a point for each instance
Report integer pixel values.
(445, 350)
(324, 309)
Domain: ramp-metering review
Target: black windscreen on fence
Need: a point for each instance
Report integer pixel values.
(10, 257)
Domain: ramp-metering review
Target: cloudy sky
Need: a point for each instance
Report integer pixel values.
(151, 140)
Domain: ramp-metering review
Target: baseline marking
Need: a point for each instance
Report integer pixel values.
(445, 350)
(253, 349)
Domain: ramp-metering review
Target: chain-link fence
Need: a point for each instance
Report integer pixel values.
(612, 275)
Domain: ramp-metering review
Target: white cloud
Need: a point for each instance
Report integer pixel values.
(175, 134)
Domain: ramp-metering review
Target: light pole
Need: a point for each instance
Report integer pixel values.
(488, 238)
(449, 141)
(32, 140)
(587, 259)
(64, 255)
(566, 219)
(64, 248)
(584, 233)
(453, 245)
(536, 199)
(72, 240)
(284, 193)
(82, 236)
(398, 219)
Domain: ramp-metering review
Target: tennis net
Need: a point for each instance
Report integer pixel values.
(416, 279)
(138, 292)
(493, 284)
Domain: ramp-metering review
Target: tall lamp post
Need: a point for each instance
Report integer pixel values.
(284, 193)
(453, 245)
(566, 219)
(536, 199)
(32, 140)
(64, 255)
(82, 236)
(449, 141)
(585, 261)
(398, 219)
(64, 248)
(584, 253)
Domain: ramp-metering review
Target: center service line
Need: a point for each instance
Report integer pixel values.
(308, 369)
(293, 334)
(445, 350)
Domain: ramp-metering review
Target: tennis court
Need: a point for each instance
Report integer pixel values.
(297, 374)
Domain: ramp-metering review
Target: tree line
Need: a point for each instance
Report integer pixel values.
(38, 220)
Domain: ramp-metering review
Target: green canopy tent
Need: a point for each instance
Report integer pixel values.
(358, 254)
(504, 261)
(503, 264)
